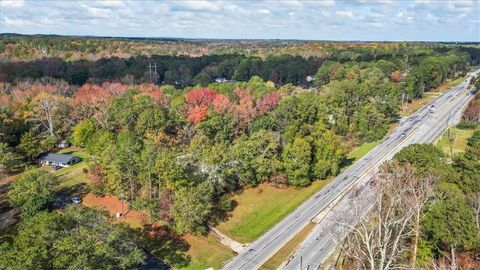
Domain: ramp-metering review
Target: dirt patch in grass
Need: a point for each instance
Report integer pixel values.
(283, 253)
(113, 205)
(449, 83)
(8, 179)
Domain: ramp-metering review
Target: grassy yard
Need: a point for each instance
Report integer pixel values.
(206, 252)
(449, 83)
(73, 175)
(456, 139)
(189, 252)
(260, 208)
(362, 150)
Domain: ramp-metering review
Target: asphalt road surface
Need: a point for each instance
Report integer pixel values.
(423, 126)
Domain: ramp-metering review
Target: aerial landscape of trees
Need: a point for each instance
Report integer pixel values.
(176, 144)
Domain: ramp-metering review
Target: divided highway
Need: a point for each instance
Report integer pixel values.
(421, 127)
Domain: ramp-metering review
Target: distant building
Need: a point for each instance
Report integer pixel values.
(62, 144)
(53, 159)
(221, 80)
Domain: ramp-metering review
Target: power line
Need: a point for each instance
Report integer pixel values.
(153, 76)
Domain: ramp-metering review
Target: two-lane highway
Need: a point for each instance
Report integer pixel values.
(406, 133)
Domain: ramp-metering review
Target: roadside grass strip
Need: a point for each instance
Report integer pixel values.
(283, 253)
(454, 140)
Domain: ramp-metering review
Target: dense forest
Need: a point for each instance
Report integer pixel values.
(280, 62)
(178, 149)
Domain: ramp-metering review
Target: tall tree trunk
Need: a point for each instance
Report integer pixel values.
(413, 259)
(453, 260)
(50, 123)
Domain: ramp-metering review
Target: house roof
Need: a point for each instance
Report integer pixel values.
(53, 157)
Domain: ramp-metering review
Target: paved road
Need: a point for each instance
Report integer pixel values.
(420, 127)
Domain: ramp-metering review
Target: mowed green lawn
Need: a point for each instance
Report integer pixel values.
(206, 252)
(455, 140)
(73, 175)
(258, 209)
(362, 150)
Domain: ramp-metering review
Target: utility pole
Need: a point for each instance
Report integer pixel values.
(301, 262)
(121, 200)
(153, 76)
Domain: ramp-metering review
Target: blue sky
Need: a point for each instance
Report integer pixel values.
(321, 19)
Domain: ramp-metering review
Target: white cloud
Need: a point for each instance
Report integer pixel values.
(343, 13)
(13, 4)
(201, 5)
(264, 11)
(345, 20)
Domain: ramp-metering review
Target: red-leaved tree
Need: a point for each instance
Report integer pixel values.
(197, 114)
(396, 76)
(244, 112)
(155, 92)
(200, 97)
(221, 104)
(92, 100)
(267, 103)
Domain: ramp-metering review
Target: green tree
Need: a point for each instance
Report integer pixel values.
(30, 145)
(202, 78)
(170, 174)
(450, 223)
(217, 127)
(83, 132)
(122, 164)
(426, 158)
(475, 139)
(103, 138)
(329, 153)
(257, 157)
(9, 160)
(191, 210)
(82, 238)
(297, 157)
(32, 191)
